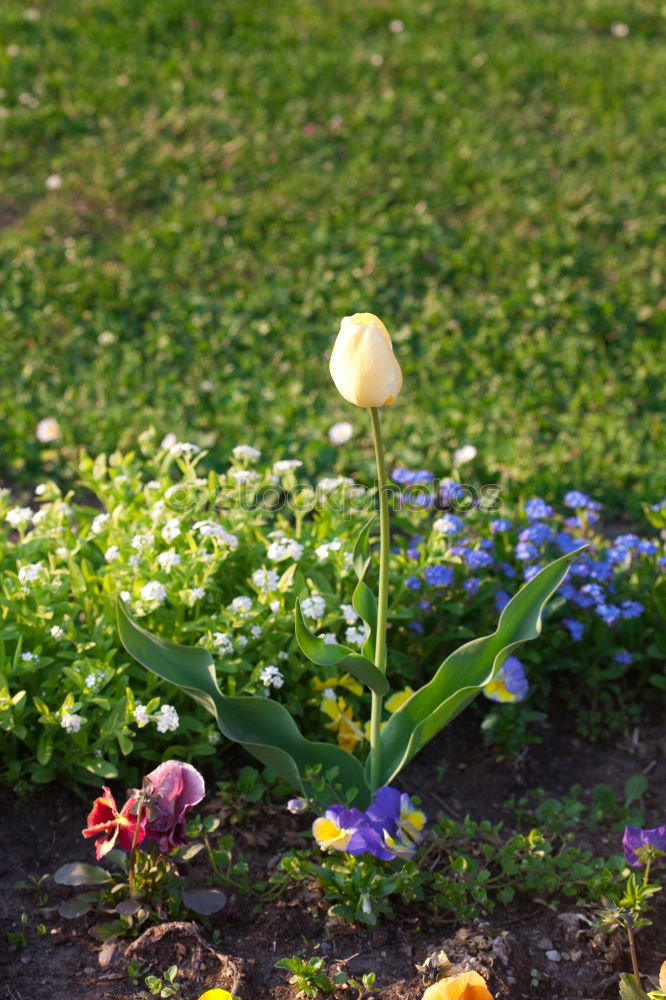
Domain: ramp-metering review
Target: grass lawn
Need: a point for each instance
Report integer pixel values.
(227, 179)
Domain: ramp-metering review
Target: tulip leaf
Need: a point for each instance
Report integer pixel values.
(263, 726)
(361, 551)
(364, 604)
(330, 654)
(462, 675)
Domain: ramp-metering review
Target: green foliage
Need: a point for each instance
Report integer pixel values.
(166, 985)
(308, 976)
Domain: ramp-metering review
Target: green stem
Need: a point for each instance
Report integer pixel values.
(382, 601)
(132, 857)
(634, 960)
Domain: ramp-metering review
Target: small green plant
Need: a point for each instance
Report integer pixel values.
(307, 975)
(137, 971)
(18, 939)
(166, 985)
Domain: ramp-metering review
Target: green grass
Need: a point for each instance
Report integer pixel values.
(237, 176)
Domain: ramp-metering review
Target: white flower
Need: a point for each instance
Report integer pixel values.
(330, 483)
(31, 572)
(243, 475)
(619, 29)
(330, 694)
(247, 452)
(105, 338)
(285, 548)
(94, 679)
(256, 631)
(70, 722)
(167, 720)
(266, 580)
(30, 658)
(222, 641)
(348, 613)
(42, 514)
(242, 641)
(357, 635)
(213, 529)
(313, 607)
(275, 607)
(62, 552)
(198, 593)
(464, 454)
(40, 489)
(168, 441)
(133, 562)
(125, 596)
(52, 183)
(286, 464)
(329, 638)
(48, 430)
(152, 484)
(271, 676)
(153, 591)
(98, 523)
(168, 559)
(183, 448)
(396, 26)
(282, 655)
(171, 530)
(112, 553)
(141, 716)
(321, 552)
(341, 432)
(57, 632)
(18, 516)
(240, 605)
(141, 542)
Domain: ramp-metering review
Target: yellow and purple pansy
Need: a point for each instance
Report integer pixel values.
(391, 827)
(509, 683)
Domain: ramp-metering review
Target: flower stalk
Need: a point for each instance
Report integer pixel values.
(382, 601)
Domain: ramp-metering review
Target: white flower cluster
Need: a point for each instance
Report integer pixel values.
(99, 523)
(141, 542)
(313, 607)
(171, 530)
(18, 516)
(285, 548)
(240, 605)
(31, 572)
(271, 676)
(286, 465)
(222, 642)
(323, 551)
(340, 433)
(357, 635)
(70, 721)
(266, 580)
(211, 529)
(168, 560)
(184, 448)
(246, 452)
(153, 591)
(348, 613)
(167, 720)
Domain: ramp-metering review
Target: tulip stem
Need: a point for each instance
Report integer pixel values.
(382, 601)
(135, 839)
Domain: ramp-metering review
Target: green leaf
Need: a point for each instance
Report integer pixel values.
(72, 908)
(361, 550)
(330, 654)
(364, 604)
(635, 788)
(101, 768)
(462, 675)
(204, 901)
(629, 988)
(80, 873)
(261, 725)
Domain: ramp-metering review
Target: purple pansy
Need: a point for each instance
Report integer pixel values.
(177, 787)
(634, 839)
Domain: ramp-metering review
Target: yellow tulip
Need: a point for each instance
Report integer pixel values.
(465, 986)
(363, 365)
(216, 995)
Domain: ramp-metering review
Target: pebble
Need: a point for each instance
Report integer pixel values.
(553, 956)
(545, 944)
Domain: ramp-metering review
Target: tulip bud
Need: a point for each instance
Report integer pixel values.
(363, 365)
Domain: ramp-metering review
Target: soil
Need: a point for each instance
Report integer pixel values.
(527, 952)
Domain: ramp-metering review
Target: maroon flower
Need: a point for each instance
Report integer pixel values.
(111, 826)
(176, 787)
